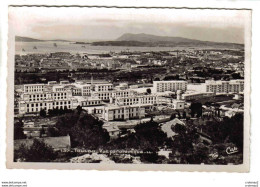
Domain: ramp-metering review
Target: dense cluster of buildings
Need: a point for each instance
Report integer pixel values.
(117, 102)
(167, 87)
(61, 61)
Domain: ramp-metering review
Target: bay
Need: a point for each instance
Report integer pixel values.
(23, 48)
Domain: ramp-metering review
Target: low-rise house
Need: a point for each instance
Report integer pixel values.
(113, 131)
(168, 126)
(112, 113)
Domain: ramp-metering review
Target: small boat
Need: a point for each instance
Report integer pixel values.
(83, 46)
(55, 45)
(34, 47)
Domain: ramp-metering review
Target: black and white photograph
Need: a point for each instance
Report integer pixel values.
(128, 89)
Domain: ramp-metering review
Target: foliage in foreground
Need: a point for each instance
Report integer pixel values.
(37, 152)
(84, 130)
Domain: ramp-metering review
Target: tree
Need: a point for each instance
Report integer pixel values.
(236, 76)
(66, 110)
(173, 116)
(83, 128)
(183, 143)
(42, 132)
(50, 112)
(184, 115)
(52, 132)
(148, 91)
(18, 130)
(147, 136)
(43, 113)
(199, 155)
(179, 128)
(37, 152)
(172, 77)
(196, 108)
(79, 109)
(179, 114)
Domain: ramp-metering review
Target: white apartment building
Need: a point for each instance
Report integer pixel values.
(37, 106)
(58, 88)
(35, 98)
(173, 86)
(123, 93)
(89, 101)
(86, 90)
(103, 87)
(112, 113)
(76, 91)
(80, 89)
(122, 86)
(133, 100)
(33, 88)
(196, 95)
(104, 96)
(107, 95)
(232, 86)
(64, 82)
(52, 82)
(94, 109)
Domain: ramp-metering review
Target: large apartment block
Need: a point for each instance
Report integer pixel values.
(232, 86)
(37, 106)
(36, 97)
(89, 101)
(107, 95)
(33, 88)
(103, 87)
(123, 112)
(133, 100)
(173, 86)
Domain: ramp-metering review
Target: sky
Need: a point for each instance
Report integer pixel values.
(96, 24)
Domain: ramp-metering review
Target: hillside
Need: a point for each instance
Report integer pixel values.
(148, 40)
(26, 39)
(153, 38)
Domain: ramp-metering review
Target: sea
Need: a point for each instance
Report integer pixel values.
(23, 48)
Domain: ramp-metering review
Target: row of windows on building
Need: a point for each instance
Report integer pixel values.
(131, 102)
(45, 104)
(45, 108)
(33, 88)
(45, 95)
(36, 107)
(220, 88)
(122, 116)
(86, 103)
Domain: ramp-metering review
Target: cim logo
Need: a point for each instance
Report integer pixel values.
(231, 150)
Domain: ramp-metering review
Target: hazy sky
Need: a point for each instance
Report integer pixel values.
(88, 24)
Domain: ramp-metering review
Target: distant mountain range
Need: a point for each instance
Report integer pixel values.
(160, 41)
(27, 39)
(152, 38)
(144, 40)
